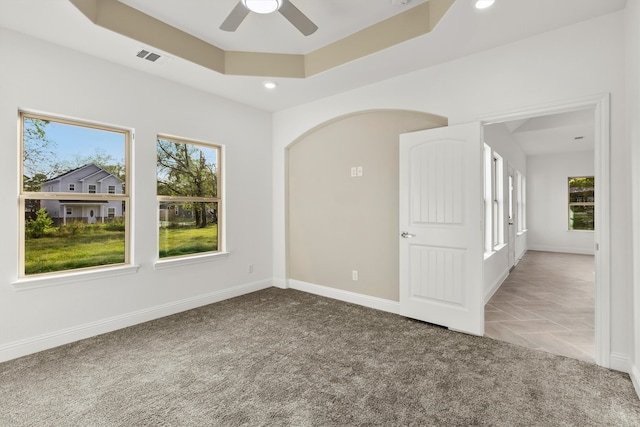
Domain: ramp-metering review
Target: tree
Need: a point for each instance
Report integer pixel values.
(38, 154)
(36, 228)
(184, 170)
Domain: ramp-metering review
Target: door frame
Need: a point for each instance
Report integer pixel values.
(602, 233)
(511, 219)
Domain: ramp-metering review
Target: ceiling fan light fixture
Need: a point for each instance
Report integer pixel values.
(483, 4)
(262, 6)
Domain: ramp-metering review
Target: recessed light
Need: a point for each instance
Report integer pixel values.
(269, 84)
(483, 4)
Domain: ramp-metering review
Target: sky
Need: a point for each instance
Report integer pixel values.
(75, 141)
(71, 146)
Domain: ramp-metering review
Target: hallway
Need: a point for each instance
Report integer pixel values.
(546, 303)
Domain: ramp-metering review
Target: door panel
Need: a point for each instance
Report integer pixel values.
(441, 217)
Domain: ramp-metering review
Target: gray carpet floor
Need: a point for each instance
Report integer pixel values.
(287, 358)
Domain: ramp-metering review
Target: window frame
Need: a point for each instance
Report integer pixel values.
(23, 196)
(220, 252)
(584, 204)
(497, 181)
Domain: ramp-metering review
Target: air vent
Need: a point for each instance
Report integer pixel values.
(151, 56)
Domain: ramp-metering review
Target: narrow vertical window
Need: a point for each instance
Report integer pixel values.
(497, 201)
(59, 218)
(582, 203)
(189, 202)
(488, 218)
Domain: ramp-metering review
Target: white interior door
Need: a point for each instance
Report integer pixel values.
(441, 225)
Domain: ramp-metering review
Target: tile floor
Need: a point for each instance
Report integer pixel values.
(546, 303)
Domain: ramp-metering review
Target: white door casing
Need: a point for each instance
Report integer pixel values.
(441, 219)
(511, 221)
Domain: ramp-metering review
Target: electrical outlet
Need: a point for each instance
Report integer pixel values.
(354, 275)
(354, 172)
(359, 171)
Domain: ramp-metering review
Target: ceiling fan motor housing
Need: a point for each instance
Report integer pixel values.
(262, 6)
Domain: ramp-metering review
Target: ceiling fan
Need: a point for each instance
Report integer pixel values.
(285, 7)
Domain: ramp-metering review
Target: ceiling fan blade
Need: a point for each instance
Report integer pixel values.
(297, 18)
(235, 18)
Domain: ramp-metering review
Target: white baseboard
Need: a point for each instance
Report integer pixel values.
(578, 251)
(634, 373)
(496, 285)
(54, 339)
(619, 362)
(347, 296)
(280, 283)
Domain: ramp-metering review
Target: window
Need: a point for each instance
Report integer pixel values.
(56, 154)
(111, 212)
(188, 197)
(488, 226)
(112, 189)
(493, 200)
(497, 200)
(521, 204)
(582, 203)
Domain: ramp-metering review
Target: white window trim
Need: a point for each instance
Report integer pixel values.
(81, 274)
(170, 262)
(221, 253)
(72, 276)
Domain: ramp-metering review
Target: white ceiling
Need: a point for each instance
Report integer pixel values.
(462, 31)
(557, 133)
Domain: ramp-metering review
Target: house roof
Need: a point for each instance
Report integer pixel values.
(78, 169)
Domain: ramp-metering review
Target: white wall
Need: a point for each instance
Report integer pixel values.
(496, 266)
(547, 213)
(566, 64)
(633, 129)
(39, 76)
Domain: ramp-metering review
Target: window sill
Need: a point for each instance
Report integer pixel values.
(189, 259)
(28, 283)
(488, 255)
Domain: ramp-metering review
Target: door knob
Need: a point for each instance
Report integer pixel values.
(407, 235)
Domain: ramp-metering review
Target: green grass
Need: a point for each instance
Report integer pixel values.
(188, 240)
(59, 252)
(81, 246)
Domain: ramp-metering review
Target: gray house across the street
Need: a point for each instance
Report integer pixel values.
(87, 179)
